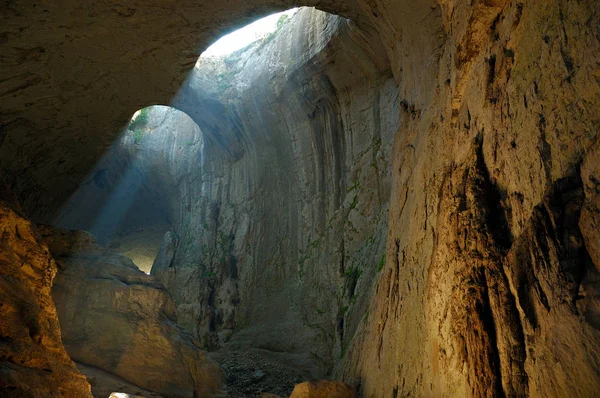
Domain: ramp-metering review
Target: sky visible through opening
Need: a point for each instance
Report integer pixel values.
(246, 35)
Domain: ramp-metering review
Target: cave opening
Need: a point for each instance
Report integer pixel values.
(125, 202)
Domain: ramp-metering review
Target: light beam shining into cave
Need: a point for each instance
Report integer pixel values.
(102, 201)
(104, 214)
(248, 34)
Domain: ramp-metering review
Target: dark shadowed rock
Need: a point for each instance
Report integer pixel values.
(165, 255)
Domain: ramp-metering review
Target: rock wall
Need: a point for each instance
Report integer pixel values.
(291, 218)
(33, 361)
(489, 286)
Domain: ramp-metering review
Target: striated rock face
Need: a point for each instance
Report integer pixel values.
(119, 319)
(490, 287)
(287, 229)
(33, 362)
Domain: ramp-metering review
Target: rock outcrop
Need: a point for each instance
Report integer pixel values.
(474, 123)
(323, 389)
(33, 362)
(119, 319)
(166, 253)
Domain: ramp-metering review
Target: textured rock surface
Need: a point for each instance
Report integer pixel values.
(490, 271)
(323, 389)
(166, 253)
(288, 227)
(33, 362)
(119, 319)
(252, 371)
(489, 289)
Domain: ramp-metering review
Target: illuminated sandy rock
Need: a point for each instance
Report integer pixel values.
(323, 389)
(33, 362)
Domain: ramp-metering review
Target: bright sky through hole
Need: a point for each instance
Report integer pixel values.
(246, 35)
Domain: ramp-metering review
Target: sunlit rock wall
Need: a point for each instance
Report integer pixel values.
(33, 361)
(488, 289)
(287, 232)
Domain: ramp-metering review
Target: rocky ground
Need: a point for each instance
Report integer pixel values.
(254, 372)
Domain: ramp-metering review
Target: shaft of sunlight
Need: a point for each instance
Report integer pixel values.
(248, 34)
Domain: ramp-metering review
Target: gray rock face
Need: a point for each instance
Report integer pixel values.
(289, 224)
(166, 253)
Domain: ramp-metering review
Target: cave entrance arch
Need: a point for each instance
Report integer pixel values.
(127, 201)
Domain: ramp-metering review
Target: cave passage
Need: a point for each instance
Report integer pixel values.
(126, 200)
(253, 145)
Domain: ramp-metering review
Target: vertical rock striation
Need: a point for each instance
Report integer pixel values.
(279, 207)
(489, 288)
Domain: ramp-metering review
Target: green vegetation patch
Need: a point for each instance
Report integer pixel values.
(138, 124)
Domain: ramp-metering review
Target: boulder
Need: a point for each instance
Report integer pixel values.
(323, 389)
(119, 319)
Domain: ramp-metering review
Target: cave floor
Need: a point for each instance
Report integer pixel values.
(249, 373)
(252, 372)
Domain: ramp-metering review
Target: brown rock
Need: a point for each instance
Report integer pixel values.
(119, 319)
(104, 383)
(323, 389)
(590, 213)
(33, 362)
